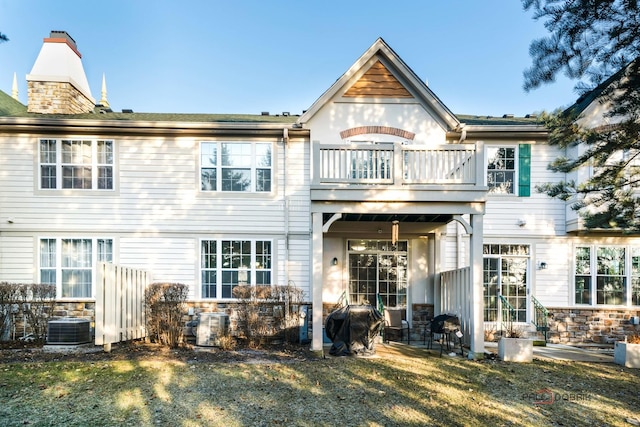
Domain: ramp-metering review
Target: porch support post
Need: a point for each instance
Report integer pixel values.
(477, 316)
(316, 280)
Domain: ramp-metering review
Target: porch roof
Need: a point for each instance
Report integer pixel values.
(388, 217)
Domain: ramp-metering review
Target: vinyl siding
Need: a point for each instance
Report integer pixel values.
(156, 210)
(552, 285)
(541, 214)
(17, 256)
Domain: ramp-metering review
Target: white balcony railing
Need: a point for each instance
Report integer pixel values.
(397, 164)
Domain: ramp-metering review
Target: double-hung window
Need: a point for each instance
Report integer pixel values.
(85, 164)
(225, 264)
(602, 275)
(501, 170)
(70, 264)
(236, 166)
(508, 169)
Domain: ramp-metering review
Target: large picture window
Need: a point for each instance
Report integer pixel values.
(76, 164)
(236, 166)
(602, 275)
(225, 264)
(70, 264)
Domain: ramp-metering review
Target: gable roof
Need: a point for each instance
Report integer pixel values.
(9, 106)
(380, 64)
(378, 81)
(586, 99)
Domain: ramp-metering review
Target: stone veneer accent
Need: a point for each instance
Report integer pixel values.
(56, 98)
(590, 325)
(85, 310)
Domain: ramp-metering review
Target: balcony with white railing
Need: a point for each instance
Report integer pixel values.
(393, 171)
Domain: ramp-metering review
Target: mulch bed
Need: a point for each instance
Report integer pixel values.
(24, 352)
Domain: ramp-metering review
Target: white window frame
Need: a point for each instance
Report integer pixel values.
(252, 166)
(593, 270)
(97, 255)
(93, 164)
(526, 255)
(252, 269)
(514, 189)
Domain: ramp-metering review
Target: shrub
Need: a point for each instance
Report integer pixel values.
(33, 300)
(255, 302)
(37, 300)
(164, 307)
(8, 300)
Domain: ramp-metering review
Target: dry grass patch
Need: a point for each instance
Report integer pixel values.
(400, 386)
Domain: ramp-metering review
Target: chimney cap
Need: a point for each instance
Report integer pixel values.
(58, 34)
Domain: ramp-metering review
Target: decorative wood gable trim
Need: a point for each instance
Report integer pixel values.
(377, 82)
(387, 130)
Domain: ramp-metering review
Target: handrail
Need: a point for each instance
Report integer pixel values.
(380, 304)
(396, 164)
(540, 317)
(508, 315)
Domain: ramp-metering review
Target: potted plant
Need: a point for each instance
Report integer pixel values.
(627, 352)
(513, 347)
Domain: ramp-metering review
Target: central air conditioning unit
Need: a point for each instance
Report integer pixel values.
(211, 326)
(69, 331)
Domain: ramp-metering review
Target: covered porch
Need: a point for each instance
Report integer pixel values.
(354, 255)
(358, 193)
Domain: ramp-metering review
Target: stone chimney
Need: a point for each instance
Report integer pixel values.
(57, 83)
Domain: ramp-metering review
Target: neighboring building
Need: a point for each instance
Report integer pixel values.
(315, 200)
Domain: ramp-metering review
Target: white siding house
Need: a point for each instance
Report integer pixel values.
(214, 201)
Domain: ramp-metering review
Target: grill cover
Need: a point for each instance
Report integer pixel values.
(352, 329)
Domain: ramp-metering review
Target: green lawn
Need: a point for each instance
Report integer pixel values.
(398, 387)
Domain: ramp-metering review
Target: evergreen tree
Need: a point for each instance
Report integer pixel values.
(598, 43)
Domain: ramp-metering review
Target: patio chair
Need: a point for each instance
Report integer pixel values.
(446, 326)
(394, 325)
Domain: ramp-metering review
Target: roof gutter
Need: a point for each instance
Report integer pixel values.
(88, 126)
(499, 132)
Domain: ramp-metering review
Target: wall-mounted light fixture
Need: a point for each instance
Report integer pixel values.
(542, 265)
(334, 261)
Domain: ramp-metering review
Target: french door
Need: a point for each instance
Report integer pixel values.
(373, 273)
(506, 274)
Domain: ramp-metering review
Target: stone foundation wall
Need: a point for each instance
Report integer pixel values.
(84, 310)
(422, 315)
(590, 325)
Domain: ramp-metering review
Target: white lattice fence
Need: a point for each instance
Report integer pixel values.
(455, 297)
(119, 303)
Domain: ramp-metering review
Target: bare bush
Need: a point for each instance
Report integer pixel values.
(252, 301)
(34, 301)
(165, 304)
(37, 300)
(8, 300)
(256, 303)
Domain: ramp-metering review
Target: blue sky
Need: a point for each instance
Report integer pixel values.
(214, 56)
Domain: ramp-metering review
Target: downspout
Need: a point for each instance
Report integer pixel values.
(285, 140)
